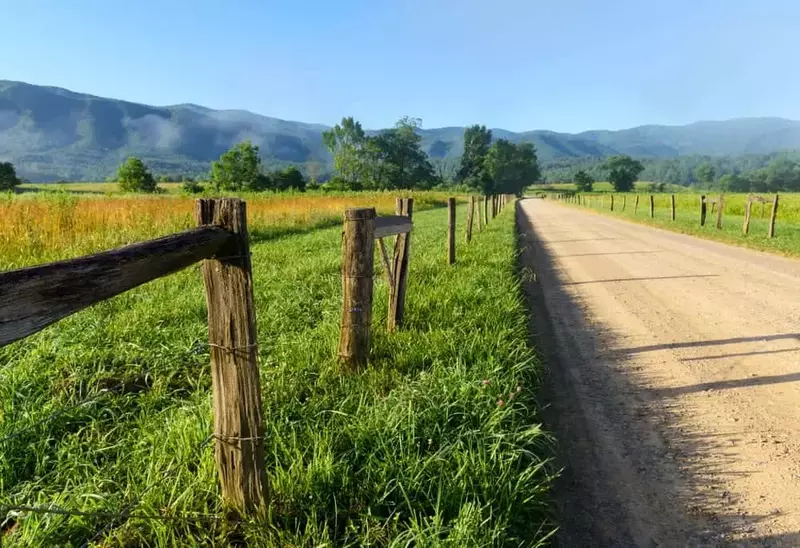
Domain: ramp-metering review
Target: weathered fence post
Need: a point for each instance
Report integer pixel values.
(470, 212)
(702, 210)
(624, 199)
(358, 257)
(772, 217)
(636, 205)
(612, 202)
(494, 206)
(397, 302)
(486, 209)
(451, 230)
(236, 388)
(478, 211)
(719, 211)
(672, 205)
(747, 208)
(652, 207)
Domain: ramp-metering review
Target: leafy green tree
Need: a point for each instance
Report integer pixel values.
(8, 176)
(347, 142)
(133, 176)
(398, 158)
(583, 181)
(289, 178)
(472, 171)
(238, 169)
(783, 174)
(705, 173)
(510, 168)
(623, 172)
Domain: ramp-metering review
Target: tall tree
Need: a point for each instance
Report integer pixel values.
(133, 176)
(510, 168)
(705, 173)
(8, 176)
(623, 172)
(347, 142)
(400, 160)
(238, 169)
(583, 181)
(472, 171)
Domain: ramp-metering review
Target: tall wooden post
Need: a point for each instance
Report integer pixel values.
(702, 210)
(486, 209)
(720, 208)
(772, 217)
(652, 207)
(747, 209)
(672, 205)
(358, 257)
(235, 381)
(470, 213)
(494, 206)
(478, 211)
(397, 303)
(451, 230)
(636, 205)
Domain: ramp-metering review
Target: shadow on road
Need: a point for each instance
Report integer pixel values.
(633, 474)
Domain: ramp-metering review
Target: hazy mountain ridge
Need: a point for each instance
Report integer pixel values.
(51, 133)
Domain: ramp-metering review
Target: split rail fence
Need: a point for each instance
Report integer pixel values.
(36, 297)
(606, 201)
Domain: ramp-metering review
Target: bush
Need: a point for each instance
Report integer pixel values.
(133, 176)
(190, 186)
(8, 176)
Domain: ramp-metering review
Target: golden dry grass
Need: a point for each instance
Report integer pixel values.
(37, 229)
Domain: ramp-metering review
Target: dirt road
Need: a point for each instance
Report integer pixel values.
(674, 382)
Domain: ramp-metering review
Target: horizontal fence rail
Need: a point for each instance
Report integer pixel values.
(391, 225)
(33, 298)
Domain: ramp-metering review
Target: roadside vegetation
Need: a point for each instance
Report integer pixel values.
(436, 443)
(687, 217)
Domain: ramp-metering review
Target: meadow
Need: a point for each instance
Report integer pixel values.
(687, 217)
(107, 414)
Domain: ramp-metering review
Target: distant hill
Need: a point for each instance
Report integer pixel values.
(51, 133)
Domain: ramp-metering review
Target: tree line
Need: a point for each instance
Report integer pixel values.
(394, 159)
(773, 172)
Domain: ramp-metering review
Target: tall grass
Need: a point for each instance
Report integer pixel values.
(36, 229)
(436, 443)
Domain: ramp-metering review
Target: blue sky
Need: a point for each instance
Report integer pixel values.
(565, 65)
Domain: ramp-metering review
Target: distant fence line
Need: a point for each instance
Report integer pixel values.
(718, 204)
(33, 298)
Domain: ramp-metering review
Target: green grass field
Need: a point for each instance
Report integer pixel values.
(436, 443)
(687, 218)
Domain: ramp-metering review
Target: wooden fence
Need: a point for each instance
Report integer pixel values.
(717, 204)
(35, 297)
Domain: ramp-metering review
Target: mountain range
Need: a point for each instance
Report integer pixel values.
(51, 133)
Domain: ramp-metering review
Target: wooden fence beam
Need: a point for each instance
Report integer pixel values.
(235, 381)
(772, 217)
(652, 207)
(397, 301)
(720, 208)
(702, 210)
(672, 205)
(451, 230)
(470, 213)
(636, 205)
(391, 225)
(33, 298)
(358, 260)
(747, 208)
(612, 202)
(486, 209)
(478, 211)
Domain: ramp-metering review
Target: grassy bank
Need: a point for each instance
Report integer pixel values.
(436, 444)
(687, 218)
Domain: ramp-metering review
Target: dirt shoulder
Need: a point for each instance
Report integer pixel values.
(673, 384)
